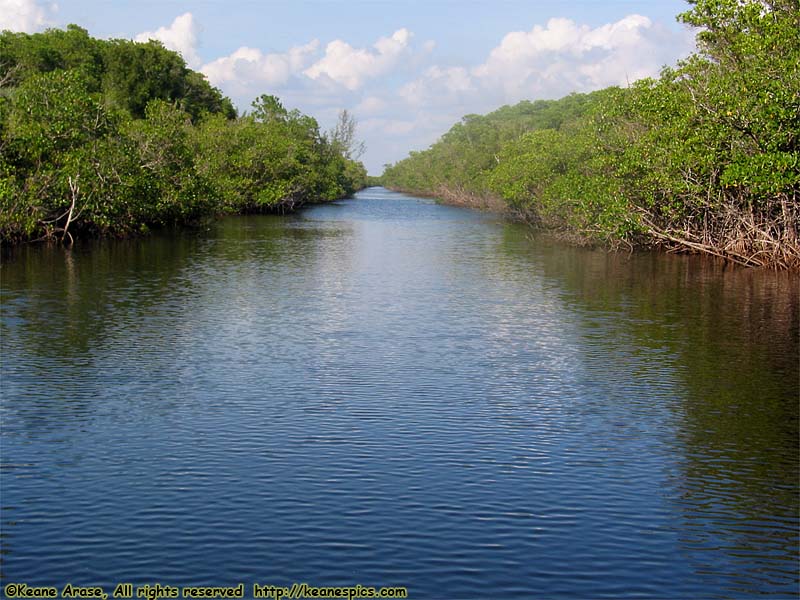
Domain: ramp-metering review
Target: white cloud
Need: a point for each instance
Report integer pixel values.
(563, 57)
(341, 69)
(548, 61)
(423, 91)
(248, 67)
(319, 82)
(25, 16)
(181, 36)
(350, 66)
(551, 61)
(404, 100)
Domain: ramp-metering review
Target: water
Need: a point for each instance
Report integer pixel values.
(389, 392)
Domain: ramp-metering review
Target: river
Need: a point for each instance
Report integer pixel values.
(389, 392)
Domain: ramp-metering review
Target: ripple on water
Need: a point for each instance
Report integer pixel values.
(391, 392)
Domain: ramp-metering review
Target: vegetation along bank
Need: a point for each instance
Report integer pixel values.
(705, 158)
(112, 137)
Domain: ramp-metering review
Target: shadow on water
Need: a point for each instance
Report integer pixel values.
(66, 307)
(731, 337)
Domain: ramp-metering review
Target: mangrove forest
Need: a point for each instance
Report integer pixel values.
(706, 158)
(113, 137)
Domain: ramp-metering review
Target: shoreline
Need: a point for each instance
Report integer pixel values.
(659, 241)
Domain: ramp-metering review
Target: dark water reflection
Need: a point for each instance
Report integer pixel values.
(390, 392)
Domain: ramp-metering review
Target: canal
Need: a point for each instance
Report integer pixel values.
(389, 392)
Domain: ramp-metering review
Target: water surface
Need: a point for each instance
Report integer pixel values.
(389, 392)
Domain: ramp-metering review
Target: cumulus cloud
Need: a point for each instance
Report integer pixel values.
(248, 67)
(404, 99)
(314, 79)
(454, 80)
(350, 66)
(555, 59)
(25, 16)
(564, 56)
(181, 36)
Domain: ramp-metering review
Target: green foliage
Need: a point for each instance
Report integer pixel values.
(129, 74)
(466, 154)
(53, 112)
(115, 137)
(706, 158)
(167, 180)
(267, 109)
(23, 55)
(137, 73)
(199, 98)
(272, 159)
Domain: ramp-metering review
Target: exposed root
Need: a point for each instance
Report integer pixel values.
(50, 227)
(767, 237)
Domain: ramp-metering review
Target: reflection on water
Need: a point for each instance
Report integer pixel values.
(390, 392)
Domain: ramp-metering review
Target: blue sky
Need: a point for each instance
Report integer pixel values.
(406, 69)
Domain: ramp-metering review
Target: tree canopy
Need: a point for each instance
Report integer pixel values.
(114, 137)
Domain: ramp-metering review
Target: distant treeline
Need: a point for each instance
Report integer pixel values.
(706, 158)
(113, 137)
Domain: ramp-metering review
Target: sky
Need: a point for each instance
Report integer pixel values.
(407, 70)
